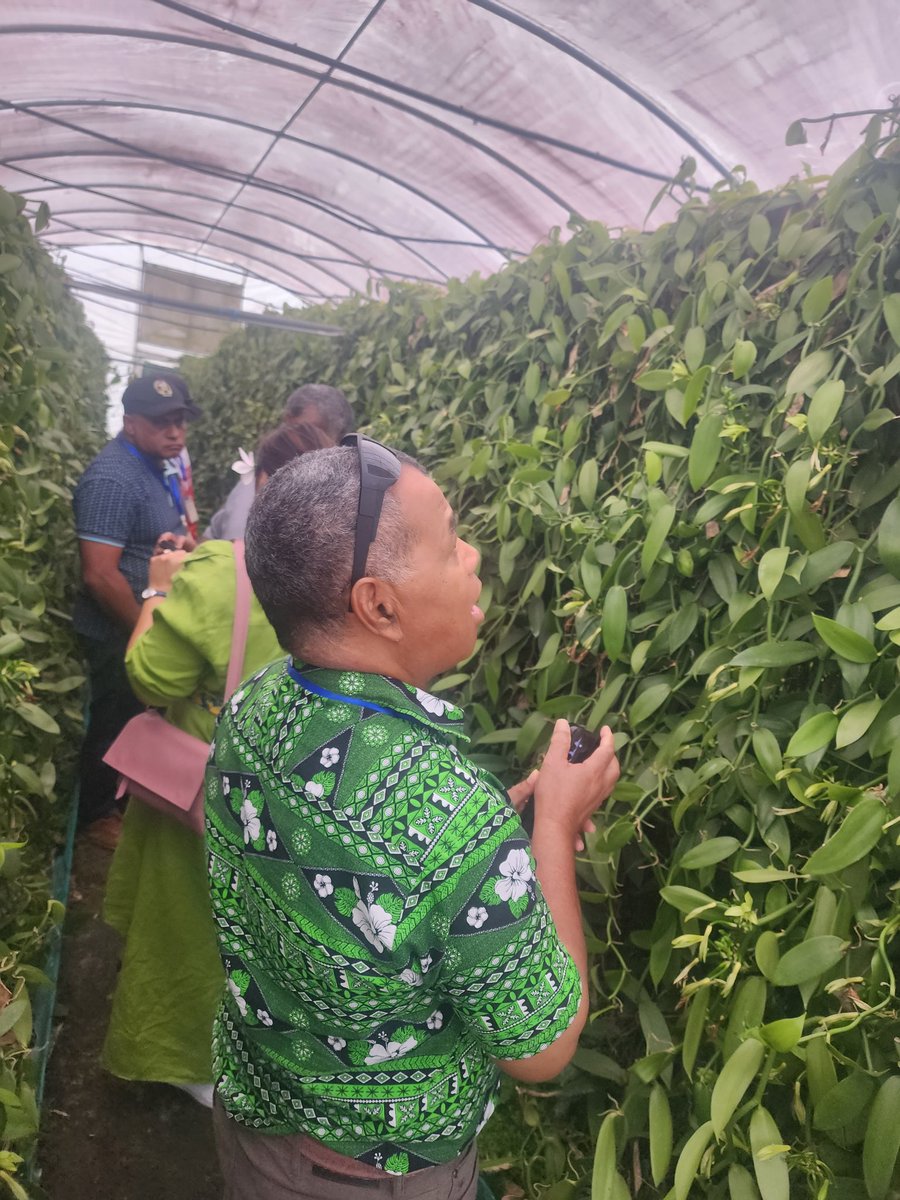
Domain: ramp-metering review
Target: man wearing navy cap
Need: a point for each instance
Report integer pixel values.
(125, 502)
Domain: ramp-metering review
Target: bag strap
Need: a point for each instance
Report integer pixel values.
(241, 624)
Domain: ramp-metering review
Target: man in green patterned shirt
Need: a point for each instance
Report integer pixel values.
(389, 935)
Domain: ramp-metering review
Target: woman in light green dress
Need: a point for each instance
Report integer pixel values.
(157, 898)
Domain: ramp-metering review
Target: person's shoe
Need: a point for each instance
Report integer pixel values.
(105, 831)
(201, 1092)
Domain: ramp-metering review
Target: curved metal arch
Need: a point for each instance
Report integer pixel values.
(94, 189)
(316, 293)
(267, 59)
(331, 210)
(192, 259)
(405, 89)
(242, 237)
(292, 138)
(586, 60)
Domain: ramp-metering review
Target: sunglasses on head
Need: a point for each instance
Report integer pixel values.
(379, 467)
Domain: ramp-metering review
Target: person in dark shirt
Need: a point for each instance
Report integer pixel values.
(125, 502)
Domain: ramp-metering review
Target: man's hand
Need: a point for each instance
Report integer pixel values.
(568, 794)
(520, 793)
(173, 541)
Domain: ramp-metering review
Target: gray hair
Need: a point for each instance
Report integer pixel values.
(332, 412)
(299, 544)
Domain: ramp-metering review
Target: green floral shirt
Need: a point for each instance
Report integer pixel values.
(383, 933)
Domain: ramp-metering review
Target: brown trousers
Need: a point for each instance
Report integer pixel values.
(261, 1166)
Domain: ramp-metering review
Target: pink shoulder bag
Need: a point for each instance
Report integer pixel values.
(163, 766)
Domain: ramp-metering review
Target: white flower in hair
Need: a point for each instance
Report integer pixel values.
(245, 466)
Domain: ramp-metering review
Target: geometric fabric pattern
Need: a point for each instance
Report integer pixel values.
(384, 936)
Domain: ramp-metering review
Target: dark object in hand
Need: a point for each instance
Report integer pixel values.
(582, 744)
(166, 544)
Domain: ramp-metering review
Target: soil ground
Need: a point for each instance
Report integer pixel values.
(102, 1138)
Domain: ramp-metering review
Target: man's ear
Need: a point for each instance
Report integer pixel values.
(374, 604)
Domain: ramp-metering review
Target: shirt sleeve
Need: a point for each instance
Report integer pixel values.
(104, 511)
(175, 655)
(511, 980)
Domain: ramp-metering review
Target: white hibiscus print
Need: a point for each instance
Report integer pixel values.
(272, 840)
(431, 703)
(314, 789)
(226, 785)
(376, 924)
(436, 1020)
(425, 963)
(238, 998)
(323, 885)
(413, 978)
(487, 1116)
(330, 756)
(236, 702)
(380, 1053)
(263, 1016)
(476, 917)
(336, 1043)
(250, 818)
(517, 874)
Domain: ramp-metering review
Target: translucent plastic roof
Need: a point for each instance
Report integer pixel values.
(317, 145)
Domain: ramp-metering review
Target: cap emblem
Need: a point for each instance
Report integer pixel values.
(162, 388)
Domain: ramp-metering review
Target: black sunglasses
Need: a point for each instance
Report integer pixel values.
(379, 467)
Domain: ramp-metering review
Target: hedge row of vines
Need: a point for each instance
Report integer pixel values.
(677, 451)
(52, 406)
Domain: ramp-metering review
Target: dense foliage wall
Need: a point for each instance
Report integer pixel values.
(52, 406)
(678, 453)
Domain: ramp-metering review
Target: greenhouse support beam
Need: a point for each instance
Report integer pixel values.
(269, 320)
(586, 60)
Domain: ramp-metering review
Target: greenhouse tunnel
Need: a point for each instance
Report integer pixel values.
(626, 281)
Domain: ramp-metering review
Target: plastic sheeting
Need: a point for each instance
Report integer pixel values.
(319, 145)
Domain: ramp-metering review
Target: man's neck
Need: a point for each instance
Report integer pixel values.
(151, 458)
(367, 659)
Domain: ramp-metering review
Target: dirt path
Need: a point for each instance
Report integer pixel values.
(102, 1138)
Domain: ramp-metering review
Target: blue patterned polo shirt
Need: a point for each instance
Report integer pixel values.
(384, 936)
(121, 500)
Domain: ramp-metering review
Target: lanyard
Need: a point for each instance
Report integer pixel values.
(324, 692)
(169, 481)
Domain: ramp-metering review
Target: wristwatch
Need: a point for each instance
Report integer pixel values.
(148, 593)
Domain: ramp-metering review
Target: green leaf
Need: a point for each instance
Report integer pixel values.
(648, 702)
(614, 621)
(823, 408)
(766, 953)
(36, 716)
(783, 1035)
(808, 960)
(855, 721)
(844, 641)
(772, 1175)
(774, 654)
(689, 1160)
(890, 306)
(694, 347)
(9, 262)
(740, 1184)
(771, 569)
(808, 372)
(882, 1141)
(817, 300)
(844, 1102)
(708, 853)
(706, 446)
(859, 833)
(654, 381)
(743, 356)
(587, 482)
(605, 1173)
(814, 734)
(657, 532)
(759, 232)
(686, 899)
(889, 538)
(694, 1029)
(733, 1080)
(660, 1131)
(768, 752)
